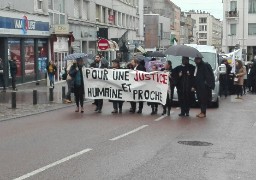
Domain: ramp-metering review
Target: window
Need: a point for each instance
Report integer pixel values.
(233, 29)
(252, 29)
(202, 35)
(39, 4)
(76, 8)
(85, 10)
(202, 20)
(98, 13)
(233, 6)
(50, 4)
(252, 6)
(202, 28)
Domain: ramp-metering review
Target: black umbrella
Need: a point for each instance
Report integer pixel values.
(156, 54)
(183, 50)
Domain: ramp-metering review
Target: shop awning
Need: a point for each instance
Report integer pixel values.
(141, 49)
(107, 45)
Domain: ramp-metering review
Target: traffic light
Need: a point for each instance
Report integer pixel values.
(102, 33)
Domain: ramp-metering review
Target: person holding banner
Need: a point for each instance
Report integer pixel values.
(138, 66)
(154, 106)
(99, 63)
(76, 73)
(117, 105)
(168, 105)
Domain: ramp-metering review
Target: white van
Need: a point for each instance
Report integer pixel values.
(211, 56)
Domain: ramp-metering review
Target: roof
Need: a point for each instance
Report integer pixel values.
(203, 48)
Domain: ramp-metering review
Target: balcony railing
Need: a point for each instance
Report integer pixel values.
(232, 14)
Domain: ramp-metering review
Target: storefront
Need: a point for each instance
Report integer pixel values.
(25, 39)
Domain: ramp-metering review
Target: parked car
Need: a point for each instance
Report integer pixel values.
(211, 56)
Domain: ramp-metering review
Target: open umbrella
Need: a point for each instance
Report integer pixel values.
(183, 50)
(156, 54)
(75, 56)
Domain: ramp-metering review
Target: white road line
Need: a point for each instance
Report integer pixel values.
(162, 117)
(53, 164)
(128, 133)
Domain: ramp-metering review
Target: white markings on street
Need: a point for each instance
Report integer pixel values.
(53, 164)
(128, 133)
(162, 117)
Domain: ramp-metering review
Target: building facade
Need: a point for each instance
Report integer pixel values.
(187, 25)
(239, 27)
(208, 29)
(157, 32)
(24, 36)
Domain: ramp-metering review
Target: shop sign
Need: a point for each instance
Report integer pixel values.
(61, 29)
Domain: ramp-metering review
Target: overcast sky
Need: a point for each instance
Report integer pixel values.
(214, 7)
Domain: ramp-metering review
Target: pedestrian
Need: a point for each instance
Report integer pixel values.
(117, 104)
(239, 79)
(70, 81)
(2, 75)
(204, 84)
(76, 72)
(154, 105)
(51, 70)
(184, 78)
(138, 66)
(13, 71)
(167, 106)
(249, 78)
(224, 84)
(99, 62)
(253, 77)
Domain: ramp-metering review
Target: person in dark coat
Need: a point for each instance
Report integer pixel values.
(253, 77)
(13, 71)
(99, 63)
(168, 105)
(224, 84)
(204, 84)
(138, 66)
(184, 78)
(76, 73)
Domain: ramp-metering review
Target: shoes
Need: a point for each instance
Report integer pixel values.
(181, 114)
(67, 101)
(77, 109)
(99, 111)
(96, 109)
(82, 110)
(114, 111)
(164, 112)
(201, 115)
(139, 111)
(187, 114)
(132, 111)
(93, 103)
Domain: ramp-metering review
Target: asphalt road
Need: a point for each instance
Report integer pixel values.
(63, 144)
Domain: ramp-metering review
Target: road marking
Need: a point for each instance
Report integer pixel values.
(128, 133)
(162, 117)
(53, 164)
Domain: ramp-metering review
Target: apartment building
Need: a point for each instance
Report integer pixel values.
(208, 29)
(186, 28)
(239, 27)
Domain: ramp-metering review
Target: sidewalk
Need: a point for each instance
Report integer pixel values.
(24, 100)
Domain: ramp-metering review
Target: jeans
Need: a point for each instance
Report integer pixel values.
(51, 78)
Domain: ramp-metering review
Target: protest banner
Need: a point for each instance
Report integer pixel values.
(125, 85)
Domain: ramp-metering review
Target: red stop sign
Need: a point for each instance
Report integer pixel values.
(103, 44)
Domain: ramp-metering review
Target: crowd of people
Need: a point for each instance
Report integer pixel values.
(187, 78)
(241, 81)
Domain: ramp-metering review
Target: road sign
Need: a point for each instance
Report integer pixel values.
(103, 44)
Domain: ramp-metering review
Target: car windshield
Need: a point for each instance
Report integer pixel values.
(208, 57)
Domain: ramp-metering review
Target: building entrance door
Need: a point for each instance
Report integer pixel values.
(60, 63)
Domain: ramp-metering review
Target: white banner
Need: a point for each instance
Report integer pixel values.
(126, 85)
(236, 55)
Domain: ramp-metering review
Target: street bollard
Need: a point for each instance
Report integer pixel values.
(14, 100)
(51, 94)
(63, 92)
(34, 97)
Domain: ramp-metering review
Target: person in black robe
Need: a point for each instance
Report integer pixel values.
(184, 78)
(204, 84)
(168, 105)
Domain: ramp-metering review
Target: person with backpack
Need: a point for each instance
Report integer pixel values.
(204, 84)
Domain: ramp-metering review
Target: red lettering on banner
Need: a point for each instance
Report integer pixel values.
(160, 78)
